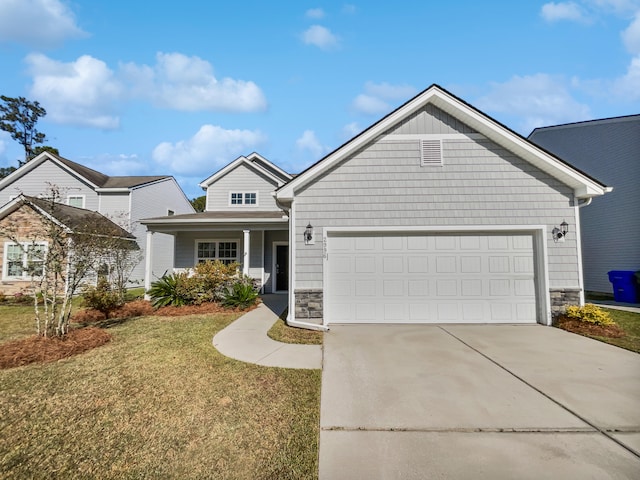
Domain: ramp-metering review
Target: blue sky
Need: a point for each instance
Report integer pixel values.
(183, 88)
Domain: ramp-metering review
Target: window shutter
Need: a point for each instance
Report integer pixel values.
(430, 153)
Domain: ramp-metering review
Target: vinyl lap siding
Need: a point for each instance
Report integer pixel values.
(479, 184)
(241, 179)
(150, 201)
(116, 207)
(39, 180)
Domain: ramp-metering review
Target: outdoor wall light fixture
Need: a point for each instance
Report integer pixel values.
(560, 232)
(308, 235)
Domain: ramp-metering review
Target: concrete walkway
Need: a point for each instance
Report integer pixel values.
(246, 339)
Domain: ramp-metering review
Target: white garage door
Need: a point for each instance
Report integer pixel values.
(374, 278)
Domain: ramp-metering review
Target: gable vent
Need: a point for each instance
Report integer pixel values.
(430, 153)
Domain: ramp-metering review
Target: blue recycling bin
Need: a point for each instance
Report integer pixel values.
(624, 286)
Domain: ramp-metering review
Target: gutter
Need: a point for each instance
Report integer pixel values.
(585, 202)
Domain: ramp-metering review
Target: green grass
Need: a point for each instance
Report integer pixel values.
(158, 401)
(16, 321)
(630, 323)
(281, 332)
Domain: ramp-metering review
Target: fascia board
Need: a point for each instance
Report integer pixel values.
(271, 164)
(520, 146)
(222, 172)
(204, 221)
(26, 168)
(114, 190)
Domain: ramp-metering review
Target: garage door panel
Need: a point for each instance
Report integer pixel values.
(430, 278)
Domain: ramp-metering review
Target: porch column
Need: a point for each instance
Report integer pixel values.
(245, 255)
(148, 253)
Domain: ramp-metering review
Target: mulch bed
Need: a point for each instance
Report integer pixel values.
(142, 308)
(588, 329)
(34, 349)
(38, 349)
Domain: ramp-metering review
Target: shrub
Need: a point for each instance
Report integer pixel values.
(102, 297)
(590, 314)
(242, 293)
(210, 280)
(168, 290)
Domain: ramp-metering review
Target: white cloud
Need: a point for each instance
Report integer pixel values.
(37, 23)
(82, 92)
(619, 7)
(119, 164)
(554, 12)
(188, 83)
(538, 100)
(348, 9)
(314, 13)
(631, 35)
(627, 87)
(209, 149)
(350, 130)
(378, 97)
(308, 142)
(321, 37)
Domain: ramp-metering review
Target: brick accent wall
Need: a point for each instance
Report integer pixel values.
(309, 305)
(561, 298)
(25, 225)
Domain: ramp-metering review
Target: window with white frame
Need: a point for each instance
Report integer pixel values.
(243, 198)
(211, 250)
(24, 260)
(76, 201)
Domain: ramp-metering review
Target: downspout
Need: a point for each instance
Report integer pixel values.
(291, 317)
(585, 202)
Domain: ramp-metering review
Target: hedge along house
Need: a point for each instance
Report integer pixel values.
(241, 223)
(436, 213)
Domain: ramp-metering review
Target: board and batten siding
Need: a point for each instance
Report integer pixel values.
(480, 183)
(39, 181)
(241, 179)
(155, 200)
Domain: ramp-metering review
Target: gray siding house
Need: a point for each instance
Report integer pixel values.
(610, 150)
(436, 213)
(241, 223)
(124, 199)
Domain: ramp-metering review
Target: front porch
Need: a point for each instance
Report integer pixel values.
(259, 245)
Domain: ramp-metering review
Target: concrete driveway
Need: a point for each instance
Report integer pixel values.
(477, 401)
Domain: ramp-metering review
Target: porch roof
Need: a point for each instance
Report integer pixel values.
(202, 219)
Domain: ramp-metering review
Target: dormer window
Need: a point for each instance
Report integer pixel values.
(243, 198)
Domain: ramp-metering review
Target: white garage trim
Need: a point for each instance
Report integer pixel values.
(539, 250)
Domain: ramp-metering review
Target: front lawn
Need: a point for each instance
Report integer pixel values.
(629, 322)
(157, 401)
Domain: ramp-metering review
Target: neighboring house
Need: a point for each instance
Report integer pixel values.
(436, 213)
(24, 227)
(610, 150)
(241, 223)
(124, 199)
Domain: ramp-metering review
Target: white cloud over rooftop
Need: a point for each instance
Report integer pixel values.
(37, 23)
(210, 148)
